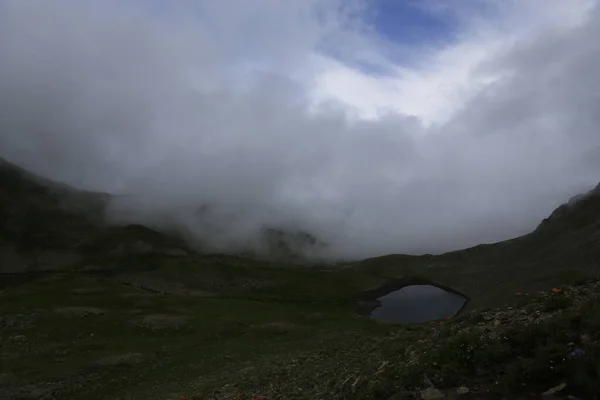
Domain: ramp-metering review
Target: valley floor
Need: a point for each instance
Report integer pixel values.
(147, 327)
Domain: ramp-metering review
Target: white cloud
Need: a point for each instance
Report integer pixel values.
(448, 77)
(238, 104)
(432, 93)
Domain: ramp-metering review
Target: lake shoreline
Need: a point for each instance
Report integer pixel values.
(368, 299)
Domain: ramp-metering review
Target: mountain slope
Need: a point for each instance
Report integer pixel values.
(37, 213)
(564, 248)
(132, 319)
(38, 216)
(46, 225)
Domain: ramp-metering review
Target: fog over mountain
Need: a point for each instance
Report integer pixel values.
(226, 117)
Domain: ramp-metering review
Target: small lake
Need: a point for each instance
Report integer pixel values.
(418, 303)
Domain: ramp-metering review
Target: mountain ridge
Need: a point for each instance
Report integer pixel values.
(129, 312)
(26, 196)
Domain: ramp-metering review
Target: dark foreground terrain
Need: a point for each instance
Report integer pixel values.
(95, 312)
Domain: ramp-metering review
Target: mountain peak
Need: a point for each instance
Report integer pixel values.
(580, 210)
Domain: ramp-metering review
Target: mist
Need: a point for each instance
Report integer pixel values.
(221, 118)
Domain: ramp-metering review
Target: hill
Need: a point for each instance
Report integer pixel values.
(564, 248)
(46, 225)
(126, 312)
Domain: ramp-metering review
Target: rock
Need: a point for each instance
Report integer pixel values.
(554, 390)
(462, 390)
(383, 365)
(18, 321)
(431, 394)
(19, 338)
(427, 381)
(586, 339)
(356, 383)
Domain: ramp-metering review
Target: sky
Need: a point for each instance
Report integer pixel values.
(379, 126)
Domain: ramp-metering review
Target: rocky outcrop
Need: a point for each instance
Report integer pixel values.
(586, 205)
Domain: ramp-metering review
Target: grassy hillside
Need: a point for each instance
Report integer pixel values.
(95, 312)
(564, 249)
(36, 213)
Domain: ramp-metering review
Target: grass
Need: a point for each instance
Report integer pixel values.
(279, 332)
(239, 324)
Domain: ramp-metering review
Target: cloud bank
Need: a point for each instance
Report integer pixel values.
(225, 117)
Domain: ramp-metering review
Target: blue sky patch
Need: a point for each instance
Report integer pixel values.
(408, 22)
(410, 31)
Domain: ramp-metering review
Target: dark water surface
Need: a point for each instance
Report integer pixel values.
(418, 303)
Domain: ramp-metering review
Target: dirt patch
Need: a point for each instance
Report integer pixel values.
(17, 321)
(79, 312)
